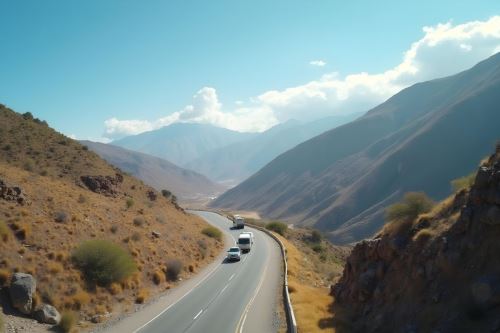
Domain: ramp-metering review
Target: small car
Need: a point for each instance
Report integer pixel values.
(234, 253)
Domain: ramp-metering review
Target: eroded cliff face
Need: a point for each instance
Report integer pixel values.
(440, 273)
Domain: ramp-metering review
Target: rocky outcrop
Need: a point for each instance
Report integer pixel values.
(105, 185)
(47, 314)
(151, 195)
(12, 193)
(21, 291)
(443, 275)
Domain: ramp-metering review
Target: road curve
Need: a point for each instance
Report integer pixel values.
(231, 297)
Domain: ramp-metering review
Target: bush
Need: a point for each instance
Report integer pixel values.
(82, 199)
(68, 321)
(103, 262)
(278, 227)
(318, 248)
(202, 245)
(138, 221)
(166, 193)
(463, 182)
(174, 268)
(412, 205)
(212, 232)
(4, 231)
(61, 217)
(129, 203)
(316, 236)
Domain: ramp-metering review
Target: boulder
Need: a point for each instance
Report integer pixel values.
(12, 193)
(47, 314)
(105, 185)
(21, 291)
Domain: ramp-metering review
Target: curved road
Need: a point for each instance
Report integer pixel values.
(227, 297)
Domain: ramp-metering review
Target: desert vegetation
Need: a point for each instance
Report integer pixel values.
(103, 262)
(278, 227)
(59, 250)
(212, 232)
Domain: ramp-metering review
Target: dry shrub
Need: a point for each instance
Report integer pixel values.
(4, 277)
(158, 277)
(142, 295)
(21, 230)
(61, 217)
(174, 268)
(79, 299)
(278, 227)
(115, 288)
(68, 321)
(54, 267)
(138, 221)
(423, 236)
(4, 231)
(212, 232)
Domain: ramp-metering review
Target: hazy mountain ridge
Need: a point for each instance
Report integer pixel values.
(238, 161)
(342, 179)
(157, 172)
(180, 143)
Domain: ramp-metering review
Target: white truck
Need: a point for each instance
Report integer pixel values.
(245, 241)
(238, 222)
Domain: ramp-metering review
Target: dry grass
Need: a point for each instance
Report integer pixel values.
(311, 300)
(37, 243)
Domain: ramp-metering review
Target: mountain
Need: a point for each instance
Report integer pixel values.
(234, 163)
(55, 195)
(436, 273)
(158, 173)
(418, 140)
(181, 143)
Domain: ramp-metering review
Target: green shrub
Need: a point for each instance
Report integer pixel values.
(129, 203)
(463, 182)
(318, 248)
(103, 262)
(278, 227)
(316, 236)
(212, 232)
(68, 321)
(174, 268)
(166, 193)
(412, 205)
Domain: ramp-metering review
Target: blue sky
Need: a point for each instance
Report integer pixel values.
(78, 64)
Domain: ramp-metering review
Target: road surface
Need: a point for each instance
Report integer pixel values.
(227, 297)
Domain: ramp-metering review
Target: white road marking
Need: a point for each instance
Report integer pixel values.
(199, 313)
(232, 276)
(223, 289)
(241, 323)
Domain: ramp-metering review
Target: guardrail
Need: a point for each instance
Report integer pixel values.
(290, 316)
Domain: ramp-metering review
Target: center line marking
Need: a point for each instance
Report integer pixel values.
(232, 276)
(199, 313)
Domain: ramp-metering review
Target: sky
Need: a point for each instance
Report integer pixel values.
(101, 70)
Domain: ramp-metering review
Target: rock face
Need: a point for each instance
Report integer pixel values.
(21, 291)
(106, 185)
(12, 193)
(47, 314)
(440, 275)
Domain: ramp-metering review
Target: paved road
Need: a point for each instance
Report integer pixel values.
(231, 297)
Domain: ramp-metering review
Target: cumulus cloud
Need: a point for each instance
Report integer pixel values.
(445, 49)
(317, 63)
(205, 109)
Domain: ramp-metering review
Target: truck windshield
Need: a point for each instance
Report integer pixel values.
(234, 249)
(244, 241)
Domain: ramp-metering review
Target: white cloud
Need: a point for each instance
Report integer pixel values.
(205, 109)
(445, 49)
(317, 63)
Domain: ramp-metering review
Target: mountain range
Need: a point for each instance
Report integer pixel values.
(418, 140)
(158, 173)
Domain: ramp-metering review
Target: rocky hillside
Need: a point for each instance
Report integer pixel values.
(419, 140)
(55, 195)
(187, 185)
(439, 273)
